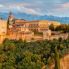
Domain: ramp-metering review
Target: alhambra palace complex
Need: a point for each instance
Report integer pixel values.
(16, 29)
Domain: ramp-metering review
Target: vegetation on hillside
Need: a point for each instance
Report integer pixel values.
(32, 55)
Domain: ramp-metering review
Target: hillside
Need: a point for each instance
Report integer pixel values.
(18, 54)
(64, 63)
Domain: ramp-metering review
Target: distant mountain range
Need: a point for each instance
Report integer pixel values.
(36, 17)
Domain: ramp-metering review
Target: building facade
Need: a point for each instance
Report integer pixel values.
(3, 30)
(16, 29)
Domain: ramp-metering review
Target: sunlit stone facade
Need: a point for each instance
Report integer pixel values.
(16, 29)
(21, 29)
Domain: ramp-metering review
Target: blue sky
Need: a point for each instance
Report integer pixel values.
(36, 7)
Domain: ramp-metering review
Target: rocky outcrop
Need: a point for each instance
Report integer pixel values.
(64, 63)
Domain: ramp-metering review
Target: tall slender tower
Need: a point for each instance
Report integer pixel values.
(11, 20)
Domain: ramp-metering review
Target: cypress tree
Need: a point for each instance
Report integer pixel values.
(57, 59)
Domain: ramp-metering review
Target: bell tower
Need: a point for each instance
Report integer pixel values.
(11, 20)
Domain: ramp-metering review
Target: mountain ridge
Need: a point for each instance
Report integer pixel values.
(36, 17)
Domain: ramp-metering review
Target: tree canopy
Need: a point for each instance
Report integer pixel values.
(32, 55)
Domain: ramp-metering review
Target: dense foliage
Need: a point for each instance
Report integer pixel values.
(32, 55)
(63, 27)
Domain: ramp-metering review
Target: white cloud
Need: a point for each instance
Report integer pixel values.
(36, 8)
(65, 5)
(20, 7)
(28, 10)
(1, 5)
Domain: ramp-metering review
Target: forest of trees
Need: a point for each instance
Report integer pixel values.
(32, 55)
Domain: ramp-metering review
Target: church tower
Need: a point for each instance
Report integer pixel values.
(11, 20)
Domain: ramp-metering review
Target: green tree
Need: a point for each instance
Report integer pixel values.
(51, 27)
(57, 59)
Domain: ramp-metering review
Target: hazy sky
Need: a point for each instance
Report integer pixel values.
(36, 7)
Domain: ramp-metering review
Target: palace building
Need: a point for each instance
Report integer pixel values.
(16, 29)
